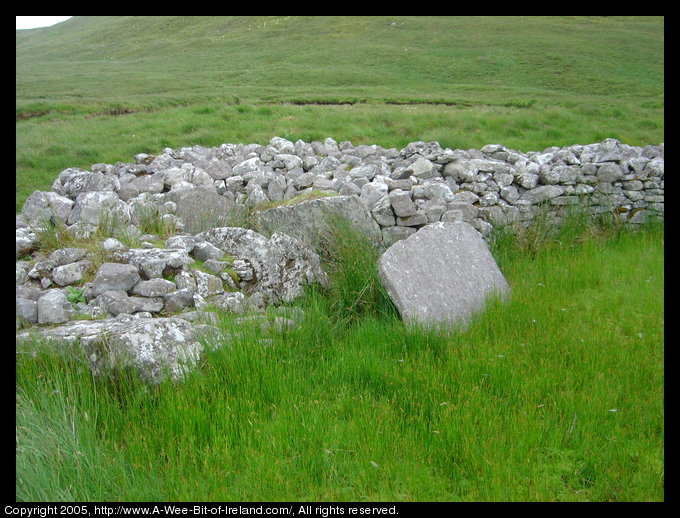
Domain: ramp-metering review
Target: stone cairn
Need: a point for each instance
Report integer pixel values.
(135, 298)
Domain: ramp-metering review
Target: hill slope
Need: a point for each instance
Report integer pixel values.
(160, 60)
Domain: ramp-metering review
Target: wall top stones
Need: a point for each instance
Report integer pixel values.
(403, 189)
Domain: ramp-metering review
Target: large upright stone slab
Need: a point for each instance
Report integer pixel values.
(306, 221)
(441, 275)
(202, 208)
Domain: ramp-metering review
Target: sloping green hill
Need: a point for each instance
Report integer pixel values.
(495, 60)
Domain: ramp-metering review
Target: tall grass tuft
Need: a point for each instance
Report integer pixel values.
(350, 259)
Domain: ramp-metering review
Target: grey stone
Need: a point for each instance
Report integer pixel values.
(433, 209)
(21, 272)
(181, 242)
(306, 221)
(26, 241)
(528, 180)
(367, 171)
(70, 273)
(609, 172)
(214, 266)
(248, 166)
(67, 255)
(88, 181)
(154, 262)
(382, 212)
(53, 308)
(417, 219)
(230, 302)
(542, 193)
(27, 310)
(204, 251)
(115, 276)
(40, 207)
(158, 348)
(178, 300)
(510, 193)
(439, 190)
(243, 269)
(116, 302)
(290, 161)
(207, 285)
(153, 288)
(148, 304)
(441, 275)
(42, 269)
(372, 192)
(422, 168)
(402, 204)
(452, 215)
(282, 145)
(282, 265)
(91, 207)
(256, 197)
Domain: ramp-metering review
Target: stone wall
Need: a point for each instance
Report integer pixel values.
(96, 290)
(403, 189)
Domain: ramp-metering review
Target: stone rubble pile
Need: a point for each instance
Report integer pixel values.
(206, 195)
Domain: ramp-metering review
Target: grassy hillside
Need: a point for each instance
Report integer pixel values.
(100, 88)
(494, 60)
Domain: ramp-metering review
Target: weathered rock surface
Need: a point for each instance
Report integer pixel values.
(157, 348)
(307, 221)
(442, 274)
(281, 265)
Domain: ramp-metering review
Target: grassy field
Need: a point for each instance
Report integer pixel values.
(555, 396)
(101, 89)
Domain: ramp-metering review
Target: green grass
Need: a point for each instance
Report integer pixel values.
(555, 396)
(101, 89)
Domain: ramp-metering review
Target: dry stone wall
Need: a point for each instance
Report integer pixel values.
(403, 189)
(203, 197)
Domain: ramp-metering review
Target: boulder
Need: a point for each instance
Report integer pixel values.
(202, 208)
(441, 275)
(153, 262)
(92, 207)
(281, 265)
(53, 308)
(70, 273)
(156, 347)
(306, 221)
(115, 276)
(26, 241)
(40, 207)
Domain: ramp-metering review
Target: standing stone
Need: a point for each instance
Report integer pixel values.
(202, 208)
(307, 222)
(442, 274)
